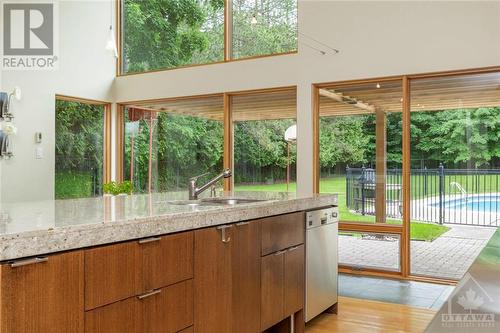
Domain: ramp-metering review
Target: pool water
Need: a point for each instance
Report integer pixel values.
(483, 204)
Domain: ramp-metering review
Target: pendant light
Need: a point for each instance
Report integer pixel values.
(253, 21)
(111, 43)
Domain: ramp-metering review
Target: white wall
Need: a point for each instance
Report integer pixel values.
(375, 39)
(86, 70)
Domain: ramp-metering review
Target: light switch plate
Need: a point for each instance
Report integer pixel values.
(39, 153)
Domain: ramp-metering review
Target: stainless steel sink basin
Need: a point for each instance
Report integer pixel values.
(229, 201)
(213, 202)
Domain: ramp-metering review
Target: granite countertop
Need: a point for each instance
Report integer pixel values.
(474, 305)
(42, 227)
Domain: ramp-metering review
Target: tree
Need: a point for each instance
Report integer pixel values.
(169, 33)
(345, 140)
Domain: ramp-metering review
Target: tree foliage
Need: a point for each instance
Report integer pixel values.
(78, 149)
(171, 33)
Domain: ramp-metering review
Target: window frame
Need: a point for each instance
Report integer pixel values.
(403, 230)
(228, 57)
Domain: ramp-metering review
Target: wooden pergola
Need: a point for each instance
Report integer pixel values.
(260, 105)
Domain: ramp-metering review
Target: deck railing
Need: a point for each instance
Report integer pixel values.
(459, 196)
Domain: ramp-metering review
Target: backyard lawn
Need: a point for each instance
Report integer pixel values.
(419, 230)
(73, 184)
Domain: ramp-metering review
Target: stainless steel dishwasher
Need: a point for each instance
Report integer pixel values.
(321, 260)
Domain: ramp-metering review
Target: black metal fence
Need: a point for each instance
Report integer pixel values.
(440, 195)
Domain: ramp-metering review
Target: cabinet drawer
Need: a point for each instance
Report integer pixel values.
(118, 317)
(167, 310)
(282, 231)
(165, 260)
(110, 274)
(116, 272)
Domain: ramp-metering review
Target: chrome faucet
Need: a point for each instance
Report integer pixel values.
(194, 191)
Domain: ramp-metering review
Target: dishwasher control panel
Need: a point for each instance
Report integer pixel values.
(317, 218)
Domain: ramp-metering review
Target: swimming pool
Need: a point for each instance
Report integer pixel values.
(486, 203)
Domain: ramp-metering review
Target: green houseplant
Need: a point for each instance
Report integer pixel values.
(116, 188)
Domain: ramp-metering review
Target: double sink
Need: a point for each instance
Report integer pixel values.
(214, 202)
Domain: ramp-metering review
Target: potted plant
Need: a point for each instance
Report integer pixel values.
(118, 188)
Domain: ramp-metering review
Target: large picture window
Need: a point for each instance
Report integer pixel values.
(262, 27)
(166, 34)
(264, 149)
(166, 143)
(79, 155)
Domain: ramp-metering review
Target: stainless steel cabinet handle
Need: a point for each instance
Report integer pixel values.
(149, 240)
(293, 248)
(279, 253)
(29, 262)
(149, 294)
(242, 223)
(224, 237)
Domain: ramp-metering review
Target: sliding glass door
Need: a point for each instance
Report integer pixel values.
(455, 171)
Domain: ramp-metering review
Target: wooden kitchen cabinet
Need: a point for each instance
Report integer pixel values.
(119, 317)
(246, 278)
(116, 272)
(213, 279)
(283, 282)
(227, 279)
(282, 231)
(110, 274)
(166, 310)
(165, 260)
(294, 279)
(43, 294)
(169, 311)
(283, 270)
(273, 289)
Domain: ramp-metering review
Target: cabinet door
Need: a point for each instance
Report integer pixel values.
(282, 231)
(246, 278)
(43, 295)
(119, 317)
(165, 260)
(168, 310)
(272, 292)
(294, 280)
(213, 279)
(111, 274)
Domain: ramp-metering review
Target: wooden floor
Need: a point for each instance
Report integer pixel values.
(360, 316)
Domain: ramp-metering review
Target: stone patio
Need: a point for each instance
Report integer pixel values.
(449, 256)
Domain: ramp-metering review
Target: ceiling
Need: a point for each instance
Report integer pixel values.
(429, 94)
(264, 105)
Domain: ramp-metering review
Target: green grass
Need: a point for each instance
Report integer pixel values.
(419, 231)
(70, 185)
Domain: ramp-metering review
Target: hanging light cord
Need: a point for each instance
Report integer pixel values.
(318, 42)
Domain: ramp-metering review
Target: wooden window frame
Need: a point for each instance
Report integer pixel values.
(404, 229)
(228, 32)
(107, 149)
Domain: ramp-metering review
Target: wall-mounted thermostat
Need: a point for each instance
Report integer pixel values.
(38, 137)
